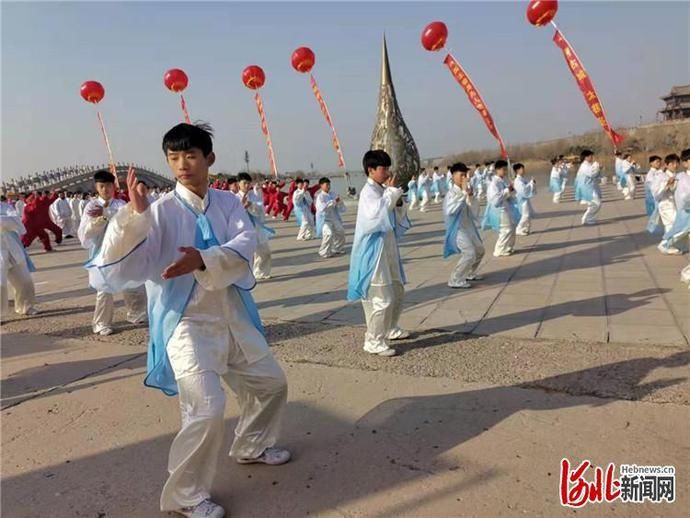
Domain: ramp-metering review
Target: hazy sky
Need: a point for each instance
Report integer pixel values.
(634, 51)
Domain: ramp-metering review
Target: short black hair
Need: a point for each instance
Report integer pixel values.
(617, 153)
(324, 180)
(103, 176)
(653, 158)
(184, 137)
(244, 176)
(586, 153)
(435, 168)
(554, 161)
(232, 179)
(376, 158)
(143, 182)
(458, 167)
(500, 164)
(685, 155)
(671, 158)
(477, 165)
(518, 166)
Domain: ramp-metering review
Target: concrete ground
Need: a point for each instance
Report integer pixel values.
(575, 347)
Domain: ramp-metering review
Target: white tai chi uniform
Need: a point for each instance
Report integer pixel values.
(376, 274)
(91, 232)
(257, 215)
(501, 215)
(557, 182)
(329, 224)
(628, 170)
(61, 214)
(15, 264)
(524, 192)
(589, 174)
(76, 215)
(412, 194)
(423, 191)
(462, 236)
(663, 193)
(204, 326)
(436, 182)
(301, 201)
(19, 207)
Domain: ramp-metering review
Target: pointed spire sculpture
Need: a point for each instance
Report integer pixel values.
(390, 131)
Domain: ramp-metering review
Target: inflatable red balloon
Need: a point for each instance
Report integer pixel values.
(541, 12)
(434, 36)
(175, 80)
(303, 59)
(92, 91)
(253, 77)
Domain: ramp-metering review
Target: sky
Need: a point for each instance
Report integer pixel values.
(634, 52)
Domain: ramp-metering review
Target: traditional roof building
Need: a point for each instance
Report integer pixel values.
(677, 103)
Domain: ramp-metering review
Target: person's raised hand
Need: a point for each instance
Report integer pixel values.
(191, 260)
(139, 202)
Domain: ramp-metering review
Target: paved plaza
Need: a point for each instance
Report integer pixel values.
(576, 346)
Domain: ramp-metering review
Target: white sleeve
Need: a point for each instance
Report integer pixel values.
(453, 202)
(223, 268)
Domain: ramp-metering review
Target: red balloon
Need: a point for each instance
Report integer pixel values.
(303, 59)
(253, 77)
(175, 80)
(434, 36)
(92, 91)
(541, 12)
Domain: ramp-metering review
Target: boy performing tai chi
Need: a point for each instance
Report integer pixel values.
(376, 272)
(588, 186)
(650, 178)
(423, 190)
(524, 192)
(663, 190)
(301, 201)
(97, 215)
(193, 248)
(678, 236)
(502, 214)
(329, 223)
(557, 179)
(462, 236)
(15, 264)
(628, 169)
(412, 192)
(254, 206)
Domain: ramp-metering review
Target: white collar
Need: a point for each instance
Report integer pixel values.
(192, 199)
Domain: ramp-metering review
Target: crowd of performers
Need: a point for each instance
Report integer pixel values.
(186, 260)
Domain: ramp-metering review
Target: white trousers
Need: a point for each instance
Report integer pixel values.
(261, 390)
(332, 239)
(437, 197)
(629, 189)
(557, 197)
(19, 277)
(306, 231)
(424, 202)
(262, 260)
(685, 275)
(413, 202)
(472, 253)
(667, 213)
(593, 208)
(505, 243)
(523, 225)
(382, 309)
(135, 302)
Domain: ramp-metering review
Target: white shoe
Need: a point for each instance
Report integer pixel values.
(30, 312)
(105, 331)
(461, 285)
(474, 277)
(204, 509)
(672, 250)
(383, 352)
(398, 334)
(270, 456)
(138, 320)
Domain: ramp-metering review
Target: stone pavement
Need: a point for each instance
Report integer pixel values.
(603, 283)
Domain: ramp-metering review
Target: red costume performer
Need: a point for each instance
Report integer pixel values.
(36, 219)
(289, 207)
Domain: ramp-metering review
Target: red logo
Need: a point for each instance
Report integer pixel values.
(576, 491)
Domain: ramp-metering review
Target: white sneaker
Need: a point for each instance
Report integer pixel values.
(461, 285)
(474, 277)
(204, 509)
(398, 334)
(106, 331)
(669, 251)
(270, 456)
(30, 312)
(388, 351)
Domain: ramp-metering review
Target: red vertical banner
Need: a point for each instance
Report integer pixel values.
(475, 98)
(327, 116)
(267, 134)
(586, 87)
